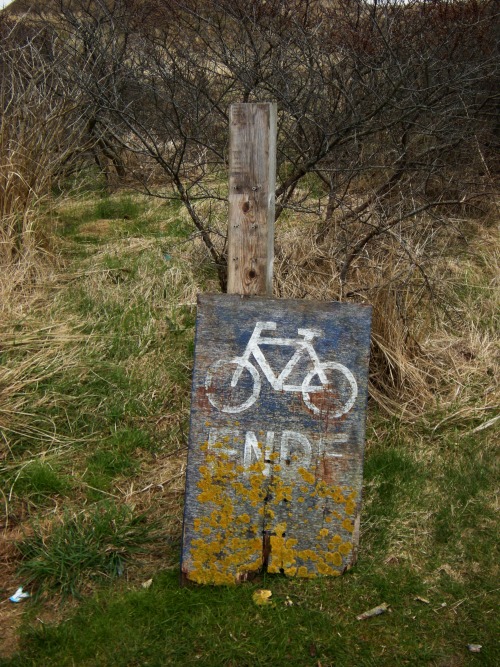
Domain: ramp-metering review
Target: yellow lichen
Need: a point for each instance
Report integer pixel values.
(306, 475)
(323, 568)
(345, 548)
(280, 529)
(281, 555)
(230, 542)
(348, 525)
(307, 554)
(224, 551)
(350, 507)
(336, 558)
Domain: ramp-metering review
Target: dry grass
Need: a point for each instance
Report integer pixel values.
(39, 130)
(426, 348)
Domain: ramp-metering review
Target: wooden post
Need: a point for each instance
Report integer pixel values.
(252, 178)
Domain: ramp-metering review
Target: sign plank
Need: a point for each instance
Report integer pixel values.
(277, 437)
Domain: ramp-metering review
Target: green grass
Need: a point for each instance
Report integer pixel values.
(88, 394)
(39, 481)
(126, 216)
(83, 547)
(170, 625)
(113, 209)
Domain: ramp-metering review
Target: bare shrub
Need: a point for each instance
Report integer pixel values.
(386, 134)
(39, 133)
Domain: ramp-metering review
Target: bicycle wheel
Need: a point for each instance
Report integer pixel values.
(232, 385)
(335, 395)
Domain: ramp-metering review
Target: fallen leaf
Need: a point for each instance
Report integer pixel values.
(261, 597)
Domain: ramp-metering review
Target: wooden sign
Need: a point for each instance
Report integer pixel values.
(276, 440)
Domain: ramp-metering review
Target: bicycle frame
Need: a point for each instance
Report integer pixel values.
(277, 382)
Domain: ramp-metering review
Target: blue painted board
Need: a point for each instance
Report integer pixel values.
(276, 443)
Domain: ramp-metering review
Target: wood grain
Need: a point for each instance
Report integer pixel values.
(252, 177)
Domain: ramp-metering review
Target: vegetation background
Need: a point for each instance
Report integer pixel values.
(113, 214)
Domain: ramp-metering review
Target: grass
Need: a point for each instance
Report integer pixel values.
(84, 546)
(169, 625)
(39, 481)
(94, 406)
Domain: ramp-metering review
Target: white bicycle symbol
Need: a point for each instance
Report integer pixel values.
(225, 374)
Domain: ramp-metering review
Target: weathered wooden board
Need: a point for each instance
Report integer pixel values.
(276, 439)
(252, 179)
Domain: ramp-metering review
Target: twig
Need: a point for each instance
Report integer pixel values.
(484, 426)
(149, 486)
